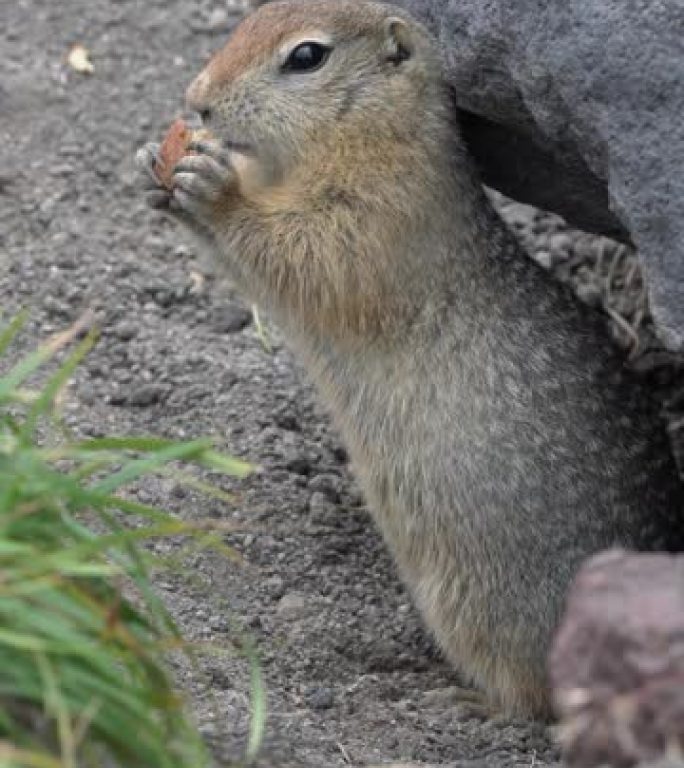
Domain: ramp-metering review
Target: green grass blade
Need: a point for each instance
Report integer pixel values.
(57, 383)
(8, 335)
(257, 724)
(144, 466)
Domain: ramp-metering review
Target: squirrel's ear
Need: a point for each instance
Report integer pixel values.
(398, 42)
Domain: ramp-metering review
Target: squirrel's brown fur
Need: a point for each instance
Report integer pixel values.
(498, 440)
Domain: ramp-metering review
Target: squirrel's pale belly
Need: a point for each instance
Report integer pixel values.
(456, 594)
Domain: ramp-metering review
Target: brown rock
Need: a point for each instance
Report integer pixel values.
(617, 663)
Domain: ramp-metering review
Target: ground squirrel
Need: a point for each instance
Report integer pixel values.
(498, 440)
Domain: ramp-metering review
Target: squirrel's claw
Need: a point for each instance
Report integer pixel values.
(156, 196)
(145, 159)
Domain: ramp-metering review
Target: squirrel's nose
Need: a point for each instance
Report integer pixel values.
(193, 119)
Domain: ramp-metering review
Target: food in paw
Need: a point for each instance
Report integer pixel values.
(174, 147)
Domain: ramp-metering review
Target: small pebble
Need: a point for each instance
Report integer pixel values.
(544, 259)
(275, 587)
(144, 396)
(218, 21)
(320, 698)
(299, 465)
(125, 331)
(320, 505)
(590, 294)
(292, 605)
(230, 319)
(561, 242)
(328, 485)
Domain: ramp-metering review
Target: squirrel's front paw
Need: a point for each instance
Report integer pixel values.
(203, 182)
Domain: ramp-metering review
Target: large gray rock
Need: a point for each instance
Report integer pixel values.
(577, 106)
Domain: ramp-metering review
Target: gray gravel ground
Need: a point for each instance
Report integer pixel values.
(352, 678)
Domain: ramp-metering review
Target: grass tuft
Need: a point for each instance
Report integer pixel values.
(82, 675)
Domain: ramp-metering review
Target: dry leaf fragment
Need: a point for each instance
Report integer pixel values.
(79, 60)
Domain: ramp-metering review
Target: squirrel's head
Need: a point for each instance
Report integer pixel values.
(340, 120)
(313, 76)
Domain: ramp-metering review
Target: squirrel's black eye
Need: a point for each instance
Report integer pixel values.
(306, 57)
